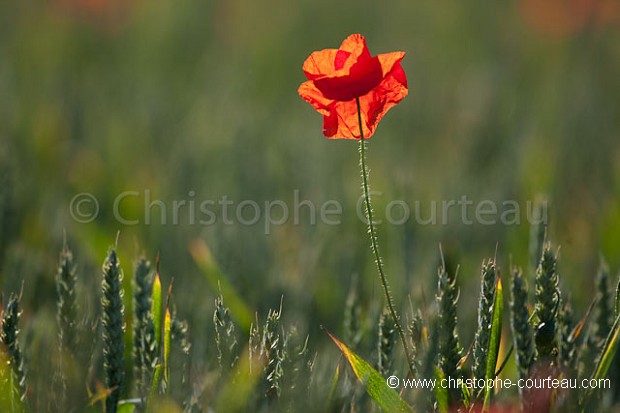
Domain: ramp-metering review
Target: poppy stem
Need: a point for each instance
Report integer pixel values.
(374, 243)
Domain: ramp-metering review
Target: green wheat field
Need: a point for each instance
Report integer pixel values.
(176, 234)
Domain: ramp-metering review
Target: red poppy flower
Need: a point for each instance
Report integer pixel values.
(337, 77)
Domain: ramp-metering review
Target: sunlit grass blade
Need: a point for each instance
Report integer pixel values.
(607, 356)
(441, 392)
(494, 342)
(333, 387)
(8, 400)
(220, 284)
(609, 351)
(156, 305)
(166, 344)
(154, 387)
(617, 302)
(240, 385)
(576, 331)
(387, 398)
(125, 407)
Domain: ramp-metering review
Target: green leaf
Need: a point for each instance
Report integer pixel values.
(167, 340)
(609, 351)
(154, 387)
(441, 392)
(240, 385)
(618, 299)
(125, 408)
(156, 306)
(9, 400)
(333, 387)
(494, 342)
(220, 284)
(387, 398)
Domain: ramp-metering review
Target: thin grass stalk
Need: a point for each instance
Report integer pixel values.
(375, 244)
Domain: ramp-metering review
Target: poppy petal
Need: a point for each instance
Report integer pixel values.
(356, 45)
(309, 92)
(338, 77)
(354, 81)
(388, 61)
(320, 63)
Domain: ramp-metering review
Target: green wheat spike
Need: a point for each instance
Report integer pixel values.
(353, 317)
(66, 319)
(385, 344)
(272, 349)
(429, 359)
(9, 337)
(225, 336)
(179, 330)
(297, 363)
(450, 350)
(67, 310)
(547, 304)
(254, 343)
(142, 285)
(591, 347)
(522, 333)
(485, 318)
(603, 316)
(416, 332)
(566, 347)
(113, 328)
(180, 334)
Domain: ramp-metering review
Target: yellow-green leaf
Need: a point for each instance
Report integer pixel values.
(387, 398)
(156, 305)
(609, 351)
(240, 385)
(494, 342)
(441, 392)
(125, 408)
(218, 281)
(154, 387)
(167, 339)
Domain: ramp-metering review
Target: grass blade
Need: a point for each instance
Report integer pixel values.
(156, 305)
(617, 302)
(220, 284)
(494, 341)
(167, 339)
(154, 387)
(387, 398)
(609, 351)
(241, 384)
(441, 392)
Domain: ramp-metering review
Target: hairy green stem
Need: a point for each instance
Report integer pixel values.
(374, 243)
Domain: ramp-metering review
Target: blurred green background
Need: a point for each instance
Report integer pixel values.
(508, 101)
